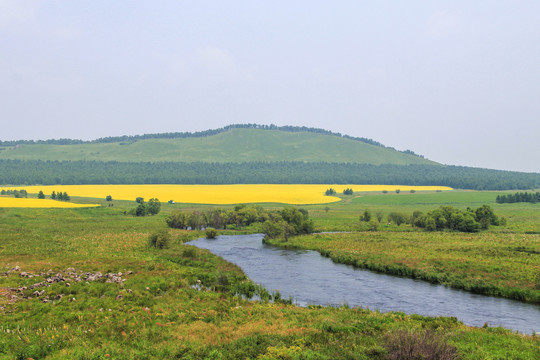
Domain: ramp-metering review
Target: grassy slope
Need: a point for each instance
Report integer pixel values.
(237, 145)
(162, 316)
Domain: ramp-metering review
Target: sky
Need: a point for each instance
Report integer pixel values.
(455, 81)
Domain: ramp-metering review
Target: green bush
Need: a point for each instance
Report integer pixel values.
(211, 233)
(160, 239)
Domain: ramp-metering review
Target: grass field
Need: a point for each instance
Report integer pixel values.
(179, 302)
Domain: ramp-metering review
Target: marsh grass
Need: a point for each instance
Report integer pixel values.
(181, 301)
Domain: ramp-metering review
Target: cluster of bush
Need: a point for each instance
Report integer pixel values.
(152, 207)
(519, 197)
(330, 192)
(284, 223)
(445, 217)
(60, 196)
(288, 222)
(236, 218)
(16, 193)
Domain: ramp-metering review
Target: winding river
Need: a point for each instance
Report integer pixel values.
(310, 278)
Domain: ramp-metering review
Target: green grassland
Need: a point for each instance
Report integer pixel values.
(183, 302)
(236, 145)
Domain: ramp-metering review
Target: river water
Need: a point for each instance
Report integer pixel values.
(310, 278)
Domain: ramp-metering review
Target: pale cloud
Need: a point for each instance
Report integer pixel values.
(216, 60)
(442, 24)
(16, 12)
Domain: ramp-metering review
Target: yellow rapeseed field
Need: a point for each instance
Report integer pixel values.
(12, 202)
(220, 194)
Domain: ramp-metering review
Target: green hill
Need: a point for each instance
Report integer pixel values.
(231, 144)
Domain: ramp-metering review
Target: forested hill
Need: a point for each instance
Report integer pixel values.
(30, 172)
(235, 143)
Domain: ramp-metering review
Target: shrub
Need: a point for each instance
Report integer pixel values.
(160, 239)
(330, 192)
(373, 225)
(139, 200)
(153, 206)
(366, 216)
(108, 198)
(177, 220)
(397, 218)
(189, 252)
(424, 345)
(211, 233)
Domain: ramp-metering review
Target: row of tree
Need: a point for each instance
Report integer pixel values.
(519, 197)
(275, 224)
(21, 172)
(240, 216)
(16, 193)
(444, 217)
(152, 207)
(447, 217)
(61, 196)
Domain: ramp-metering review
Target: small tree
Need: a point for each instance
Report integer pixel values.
(379, 216)
(397, 218)
(177, 220)
(53, 195)
(160, 239)
(139, 200)
(366, 216)
(373, 225)
(398, 191)
(66, 196)
(141, 210)
(330, 192)
(154, 206)
(108, 198)
(41, 195)
(326, 209)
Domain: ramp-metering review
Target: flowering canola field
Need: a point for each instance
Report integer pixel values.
(220, 194)
(12, 202)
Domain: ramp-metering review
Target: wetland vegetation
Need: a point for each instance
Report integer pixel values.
(183, 302)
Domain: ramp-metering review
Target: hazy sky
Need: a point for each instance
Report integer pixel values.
(456, 81)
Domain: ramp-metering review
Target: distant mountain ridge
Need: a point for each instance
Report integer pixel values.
(233, 143)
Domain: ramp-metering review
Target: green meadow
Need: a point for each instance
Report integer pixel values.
(235, 145)
(109, 295)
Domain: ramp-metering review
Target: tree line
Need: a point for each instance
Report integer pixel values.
(519, 197)
(30, 172)
(444, 217)
(275, 224)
